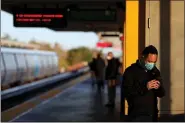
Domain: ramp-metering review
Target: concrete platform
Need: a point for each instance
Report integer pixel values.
(81, 102)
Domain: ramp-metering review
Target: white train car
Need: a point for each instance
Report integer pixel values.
(22, 65)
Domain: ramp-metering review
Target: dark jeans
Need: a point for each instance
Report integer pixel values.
(100, 83)
(111, 93)
(93, 77)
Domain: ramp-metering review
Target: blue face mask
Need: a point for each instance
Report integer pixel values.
(149, 66)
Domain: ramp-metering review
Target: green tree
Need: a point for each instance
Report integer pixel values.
(43, 46)
(61, 56)
(80, 54)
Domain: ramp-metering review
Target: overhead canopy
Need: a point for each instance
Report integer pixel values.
(83, 15)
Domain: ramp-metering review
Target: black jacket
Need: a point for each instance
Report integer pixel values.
(112, 69)
(99, 68)
(92, 65)
(141, 101)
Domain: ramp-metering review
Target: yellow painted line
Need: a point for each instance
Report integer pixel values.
(49, 94)
(10, 114)
(19, 109)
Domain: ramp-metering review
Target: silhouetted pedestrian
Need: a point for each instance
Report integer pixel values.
(111, 74)
(92, 70)
(99, 71)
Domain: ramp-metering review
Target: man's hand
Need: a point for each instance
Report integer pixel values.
(157, 85)
(153, 84)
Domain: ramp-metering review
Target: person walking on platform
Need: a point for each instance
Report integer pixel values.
(111, 74)
(119, 68)
(99, 71)
(141, 86)
(92, 70)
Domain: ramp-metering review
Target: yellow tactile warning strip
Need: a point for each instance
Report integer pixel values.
(16, 111)
(49, 94)
(8, 115)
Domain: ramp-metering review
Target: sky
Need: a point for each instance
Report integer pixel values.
(67, 40)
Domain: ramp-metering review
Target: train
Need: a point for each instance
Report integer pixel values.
(20, 66)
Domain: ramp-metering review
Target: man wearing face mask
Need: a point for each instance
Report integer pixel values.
(141, 86)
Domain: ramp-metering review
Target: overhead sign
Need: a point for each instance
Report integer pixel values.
(92, 15)
(43, 17)
(60, 18)
(104, 44)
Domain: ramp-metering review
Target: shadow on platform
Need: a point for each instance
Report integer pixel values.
(80, 103)
(172, 118)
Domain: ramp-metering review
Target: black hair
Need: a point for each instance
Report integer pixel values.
(149, 50)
